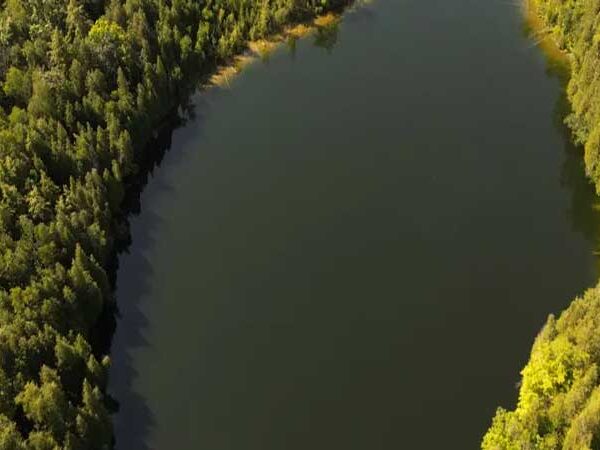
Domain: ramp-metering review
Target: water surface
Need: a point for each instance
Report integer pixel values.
(354, 246)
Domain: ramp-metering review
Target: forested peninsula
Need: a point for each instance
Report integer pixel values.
(559, 399)
(84, 85)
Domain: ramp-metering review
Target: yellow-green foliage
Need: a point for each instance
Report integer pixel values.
(559, 399)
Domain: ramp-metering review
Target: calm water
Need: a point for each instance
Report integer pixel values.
(354, 246)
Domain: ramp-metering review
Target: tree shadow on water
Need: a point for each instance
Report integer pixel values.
(327, 36)
(132, 274)
(584, 205)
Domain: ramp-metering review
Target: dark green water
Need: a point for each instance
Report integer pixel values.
(353, 247)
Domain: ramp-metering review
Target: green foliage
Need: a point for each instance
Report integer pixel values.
(559, 399)
(83, 85)
(17, 85)
(10, 438)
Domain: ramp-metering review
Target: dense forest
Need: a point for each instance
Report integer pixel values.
(83, 86)
(559, 398)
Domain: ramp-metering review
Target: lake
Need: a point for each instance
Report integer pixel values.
(353, 245)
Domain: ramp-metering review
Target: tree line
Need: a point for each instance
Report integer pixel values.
(83, 84)
(559, 395)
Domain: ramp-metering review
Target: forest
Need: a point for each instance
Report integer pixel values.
(83, 86)
(559, 399)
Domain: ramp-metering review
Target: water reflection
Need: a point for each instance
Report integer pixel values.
(135, 418)
(584, 210)
(584, 206)
(326, 36)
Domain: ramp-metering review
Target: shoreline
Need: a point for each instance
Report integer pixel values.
(559, 60)
(534, 418)
(262, 48)
(151, 153)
